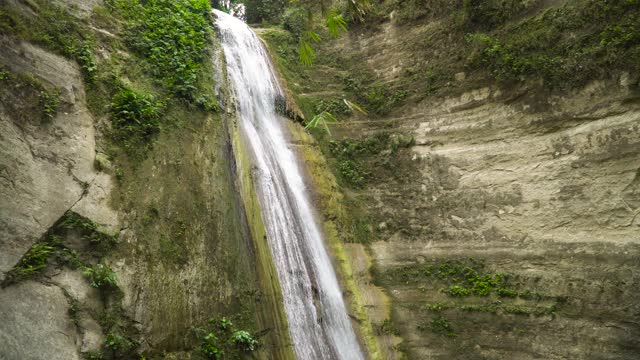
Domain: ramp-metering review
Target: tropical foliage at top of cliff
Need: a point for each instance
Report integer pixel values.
(562, 44)
(301, 18)
(171, 36)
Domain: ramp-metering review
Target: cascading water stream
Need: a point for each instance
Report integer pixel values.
(318, 321)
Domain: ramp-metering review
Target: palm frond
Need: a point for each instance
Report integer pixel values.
(353, 106)
(307, 54)
(324, 118)
(336, 23)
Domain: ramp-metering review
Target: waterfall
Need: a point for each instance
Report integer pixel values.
(319, 325)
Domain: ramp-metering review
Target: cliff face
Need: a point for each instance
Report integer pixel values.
(109, 252)
(488, 206)
(501, 216)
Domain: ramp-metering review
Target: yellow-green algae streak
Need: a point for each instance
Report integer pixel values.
(361, 294)
(272, 313)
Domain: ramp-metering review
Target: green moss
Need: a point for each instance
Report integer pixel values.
(439, 325)
(173, 251)
(31, 91)
(54, 28)
(100, 239)
(354, 156)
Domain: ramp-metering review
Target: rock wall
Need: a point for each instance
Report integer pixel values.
(509, 227)
(549, 197)
(172, 226)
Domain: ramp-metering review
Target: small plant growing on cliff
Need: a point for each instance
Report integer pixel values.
(50, 102)
(244, 340)
(209, 347)
(458, 291)
(89, 230)
(35, 260)
(101, 276)
(136, 119)
(221, 340)
(440, 325)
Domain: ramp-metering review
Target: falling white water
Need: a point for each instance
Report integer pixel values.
(318, 322)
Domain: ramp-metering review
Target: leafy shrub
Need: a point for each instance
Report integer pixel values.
(136, 118)
(116, 341)
(604, 34)
(351, 173)
(209, 347)
(58, 30)
(333, 106)
(437, 307)
(50, 102)
(101, 276)
(442, 326)
(457, 290)
(269, 11)
(378, 99)
(244, 340)
(171, 36)
(295, 20)
(223, 341)
(506, 63)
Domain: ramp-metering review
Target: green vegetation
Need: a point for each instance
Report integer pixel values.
(171, 36)
(101, 276)
(52, 249)
(440, 326)
(50, 101)
(221, 340)
(34, 261)
(463, 278)
(606, 35)
(377, 99)
(488, 14)
(386, 328)
(53, 28)
(336, 107)
(118, 343)
(136, 120)
(32, 91)
(261, 11)
(471, 288)
(99, 238)
(351, 155)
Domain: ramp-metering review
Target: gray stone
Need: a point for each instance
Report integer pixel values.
(43, 166)
(35, 324)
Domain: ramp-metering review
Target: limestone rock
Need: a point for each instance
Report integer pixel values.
(45, 166)
(35, 324)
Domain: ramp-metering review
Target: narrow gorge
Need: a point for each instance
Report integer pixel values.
(335, 179)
